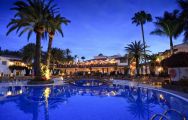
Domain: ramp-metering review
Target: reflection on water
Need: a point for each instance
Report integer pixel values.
(137, 103)
(89, 83)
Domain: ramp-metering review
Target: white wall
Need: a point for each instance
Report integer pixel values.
(4, 68)
(178, 73)
(121, 64)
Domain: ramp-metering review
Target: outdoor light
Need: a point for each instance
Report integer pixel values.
(161, 97)
(47, 74)
(9, 93)
(160, 69)
(11, 63)
(20, 92)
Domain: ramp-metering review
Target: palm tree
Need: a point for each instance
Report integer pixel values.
(83, 58)
(54, 26)
(100, 54)
(184, 17)
(140, 18)
(153, 62)
(76, 57)
(57, 55)
(67, 52)
(136, 51)
(32, 16)
(169, 26)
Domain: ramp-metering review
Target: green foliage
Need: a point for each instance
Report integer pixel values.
(28, 52)
(10, 53)
(55, 23)
(141, 18)
(57, 55)
(135, 49)
(31, 16)
(168, 25)
(176, 60)
(184, 17)
(100, 54)
(83, 58)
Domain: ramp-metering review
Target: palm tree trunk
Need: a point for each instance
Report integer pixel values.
(144, 42)
(171, 46)
(37, 67)
(137, 66)
(48, 58)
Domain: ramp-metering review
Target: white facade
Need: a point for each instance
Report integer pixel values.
(181, 48)
(4, 65)
(5, 62)
(177, 74)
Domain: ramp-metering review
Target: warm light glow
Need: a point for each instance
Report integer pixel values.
(47, 74)
(20, 92)
(161, 96)
(158, 60)
(11, 63)
(160, 69)
(113, 93)
(46, 94)
(132, 68)
(9, 93)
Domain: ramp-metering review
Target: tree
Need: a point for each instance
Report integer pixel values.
(83, 58)
(136, 51)
(67, 52)
(7, 52)
(76, 57)
(169, 26)
(32, 16)
(28, 53)
(53, 27)
(154, 61)
(100, 54)
(175, 61)
(0, 51)
(140, 18)
(57, 56)
(184, 18)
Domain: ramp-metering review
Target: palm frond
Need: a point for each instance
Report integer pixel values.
(158, 32)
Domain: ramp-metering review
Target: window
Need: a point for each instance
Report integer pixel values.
(4, 62)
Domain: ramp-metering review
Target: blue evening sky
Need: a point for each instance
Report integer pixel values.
(97, 26)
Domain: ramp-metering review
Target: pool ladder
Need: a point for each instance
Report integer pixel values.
(164, 117)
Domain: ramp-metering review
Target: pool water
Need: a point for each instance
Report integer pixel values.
(89, 83)
(70, 102)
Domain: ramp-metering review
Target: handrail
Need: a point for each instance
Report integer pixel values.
(173, 110)
(156, 115)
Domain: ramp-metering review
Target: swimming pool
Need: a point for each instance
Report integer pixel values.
(70, 102)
